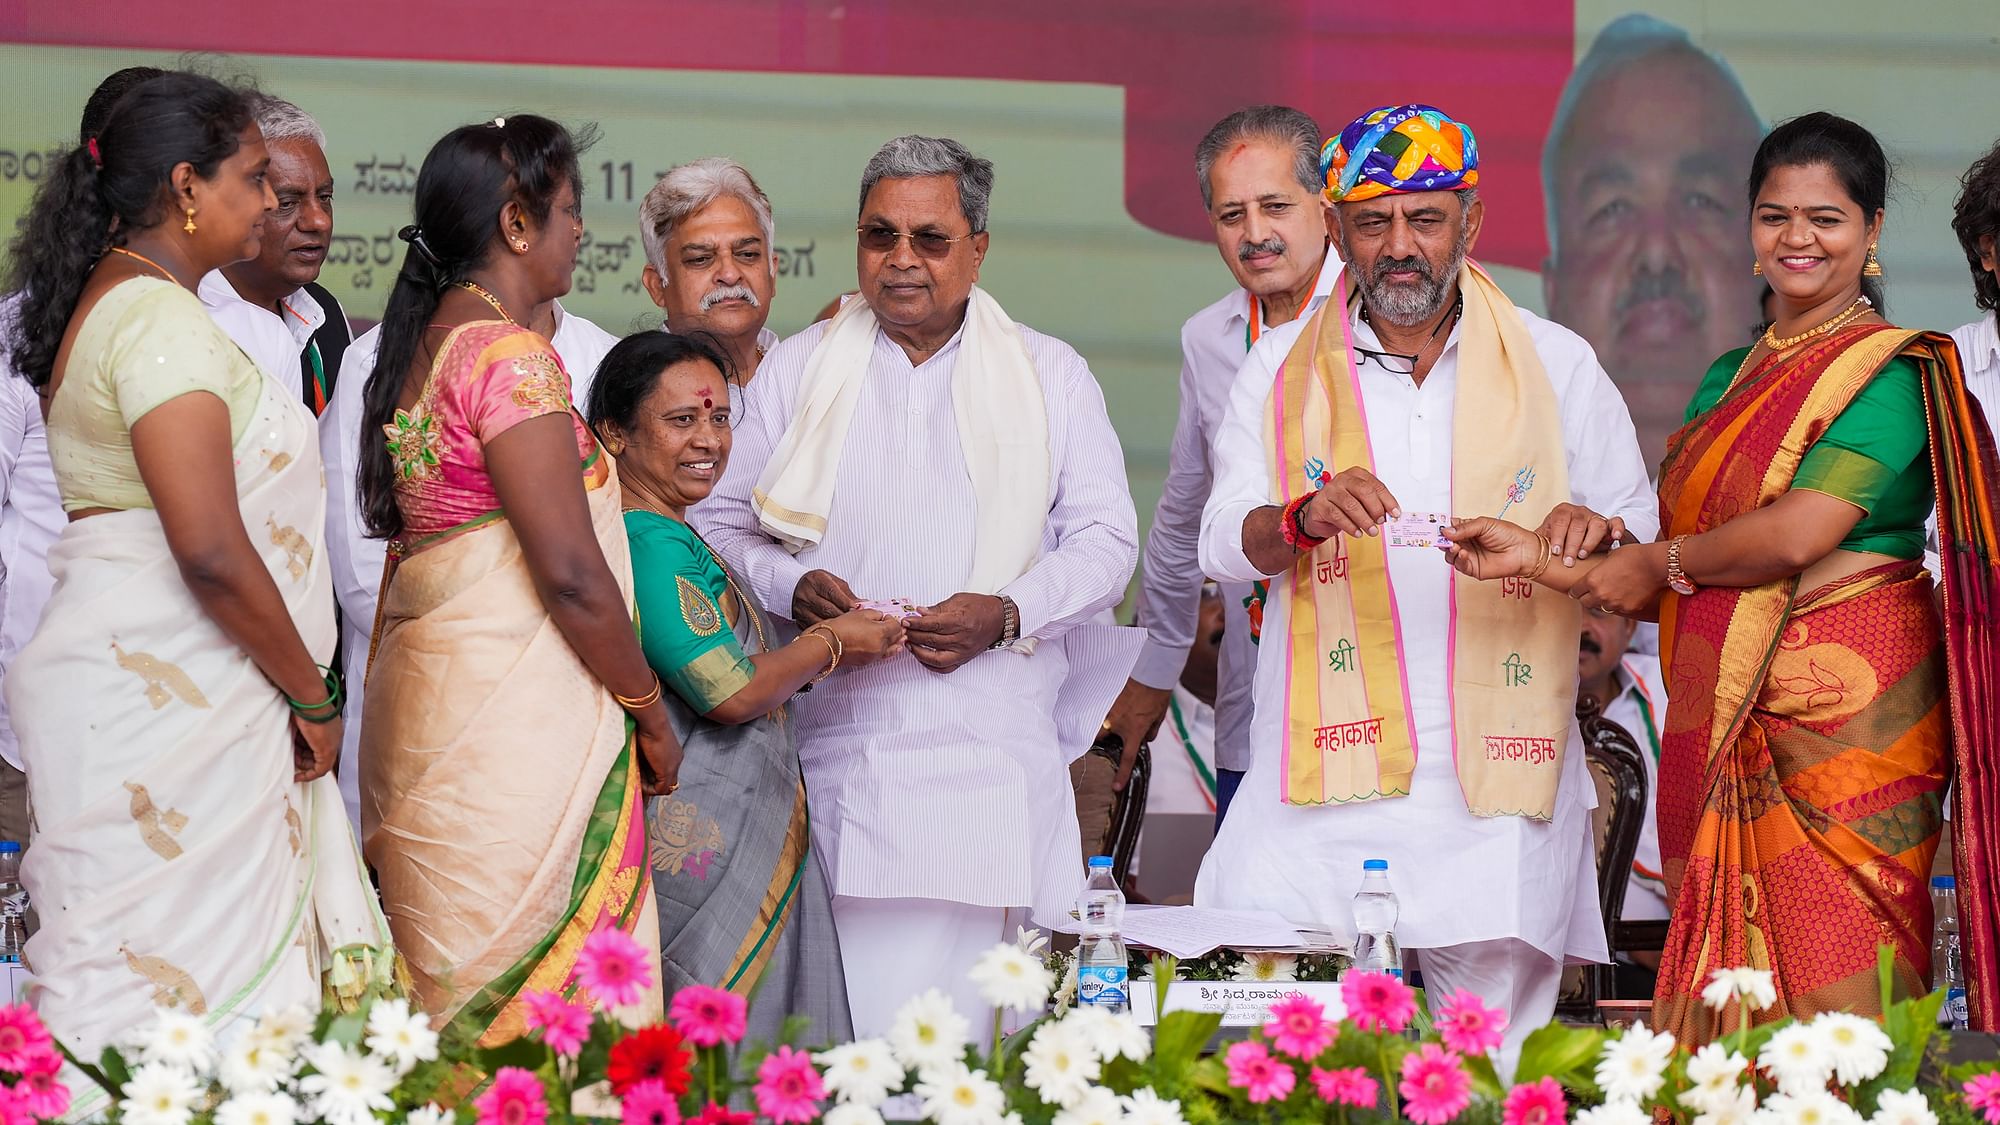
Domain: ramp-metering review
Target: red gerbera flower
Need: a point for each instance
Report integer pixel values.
(650, 1053)
(714, 1114)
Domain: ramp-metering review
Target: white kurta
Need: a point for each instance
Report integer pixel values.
(1458, 878)
(923, 785)
(356, 560)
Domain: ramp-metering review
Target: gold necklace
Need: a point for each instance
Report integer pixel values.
(164, 271)
(480, 292)
(1779, 343)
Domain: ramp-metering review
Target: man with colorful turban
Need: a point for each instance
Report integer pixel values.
(1403, 712)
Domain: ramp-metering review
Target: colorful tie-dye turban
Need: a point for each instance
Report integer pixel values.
(1399, 148)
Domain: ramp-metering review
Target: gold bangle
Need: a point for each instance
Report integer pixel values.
(834, 650)
(1548, 553)
(644, 701)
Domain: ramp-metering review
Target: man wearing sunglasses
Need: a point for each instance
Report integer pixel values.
(1402, 711)
(921, 445)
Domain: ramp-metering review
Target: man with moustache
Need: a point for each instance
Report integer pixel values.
(272, 304)
(1258, 170)
(1403, 712)
(707, 228)
(1642, 176)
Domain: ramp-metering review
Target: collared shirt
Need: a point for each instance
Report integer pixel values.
(357, 560)
(1214, 342)
(1459, 878)
(31, 518)
(273, 342)
(951, 787)
(1639, 706)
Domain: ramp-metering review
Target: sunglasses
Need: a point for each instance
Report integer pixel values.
(927, 244)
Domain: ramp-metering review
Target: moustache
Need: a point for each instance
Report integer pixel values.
(1271, 245)
(1386, 266)
(1650, 285)
(715, 297)
(1589, 644)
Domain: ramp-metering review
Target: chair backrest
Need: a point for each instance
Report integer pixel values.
(1618, 773)
(1128, 817)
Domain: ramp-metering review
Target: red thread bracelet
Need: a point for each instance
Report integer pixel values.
(1295, 536)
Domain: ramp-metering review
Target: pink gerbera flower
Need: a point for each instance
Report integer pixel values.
(709, 1017)
(1983, 1093)
(564, 1026)
(1468, 1026)
(613, 968)
(514, 1098)
(1537, 1103)
(649, 1103)
(1299, 1028)
(23, 1039)
(1252, 1068)
(1435, 1087)
(788, 1088)
(1350, 1086)
(1378, 1002)
(39, 1092)
(14, 1107)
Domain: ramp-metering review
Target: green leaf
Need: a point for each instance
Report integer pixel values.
(1911, 1026)
(793, 1031)
(1485, 1080)
(346, 1030)
(1180, 1039)
(95, 1074)
(1566, 1054)
(526, 1053)
(115, 1069)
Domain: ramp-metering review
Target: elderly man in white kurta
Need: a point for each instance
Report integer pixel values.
(923, 446)
(1402, 713)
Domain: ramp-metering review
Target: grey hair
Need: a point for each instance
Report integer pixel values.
(280, 120)
(685, 190)
(1280, 125)
(1624, 41)
(907, 158)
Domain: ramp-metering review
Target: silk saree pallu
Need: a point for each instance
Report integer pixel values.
(1348, 727)
(1810, 735)
(501, 797)
(175, 861)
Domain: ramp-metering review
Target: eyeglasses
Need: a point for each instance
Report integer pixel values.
(1395, 363)
(927, 243)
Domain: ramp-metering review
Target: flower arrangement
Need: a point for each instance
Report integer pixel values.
(1372, 1054)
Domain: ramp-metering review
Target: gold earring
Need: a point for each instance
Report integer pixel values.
(1756, 269)
(190, 223)
(1873, 266)
(520, 246)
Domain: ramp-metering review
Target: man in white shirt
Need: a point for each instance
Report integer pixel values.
(356, 559)
(707, 230)
(1976, 221)
(921, 445)
(1399, 719)
(1259, 174)
(1631, 692)
(272, 304)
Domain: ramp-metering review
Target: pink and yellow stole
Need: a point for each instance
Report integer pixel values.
(1347, 718)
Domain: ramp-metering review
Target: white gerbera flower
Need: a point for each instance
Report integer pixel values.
(1268, 967)
(852, 1113)
(349, 1087)
(1098, 1106)
(1616, 1112)
(864, 1072)
(1111, 1034)
(1727, 985)
(284, 1030)
(403, 1037)
(1813, 1107)
(1011, 977)
(159, 1094)
(1634, 1065)
(955, 1094)
(1737, 1107)
(1031, 940)
(253, 1065)
(1798, 1058)
(428, 1115)
(1060, 1064)
(258, 1107)
(1712, 1077)
(928, 1033)
(177, 1039)
(1902, 1107)
(1144, 1107)
(1066, 991)
(1858, 1046)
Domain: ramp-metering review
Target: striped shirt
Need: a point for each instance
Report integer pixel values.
(951, 787)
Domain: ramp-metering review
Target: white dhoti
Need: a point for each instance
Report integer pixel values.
(1508, 974)
(895, 948)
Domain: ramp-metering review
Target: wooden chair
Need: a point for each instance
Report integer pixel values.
(1619, 775)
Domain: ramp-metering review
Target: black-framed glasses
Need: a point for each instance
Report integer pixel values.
(1395, 363)
(879, 239)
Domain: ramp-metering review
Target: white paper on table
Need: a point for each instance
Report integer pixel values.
(1191, 931)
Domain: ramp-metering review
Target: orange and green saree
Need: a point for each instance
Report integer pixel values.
(1811, 734)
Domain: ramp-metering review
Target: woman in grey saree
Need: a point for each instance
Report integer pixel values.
(743, 905)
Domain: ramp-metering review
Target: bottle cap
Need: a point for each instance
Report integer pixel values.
(1938, 882)
(1098, 861)
(10, 847)
(1374, 865)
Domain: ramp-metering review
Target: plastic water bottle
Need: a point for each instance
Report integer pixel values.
(1100, 955)
(13, 904)
(1947, 969)
(1375, 948)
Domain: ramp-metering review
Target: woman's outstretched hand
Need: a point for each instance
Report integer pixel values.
(1487, 548)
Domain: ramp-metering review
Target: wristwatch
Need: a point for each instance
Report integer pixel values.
(1010, 623)
(1677, 579)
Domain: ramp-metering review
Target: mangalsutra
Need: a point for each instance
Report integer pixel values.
(1778, 343)
(481, 292)
(164, 271)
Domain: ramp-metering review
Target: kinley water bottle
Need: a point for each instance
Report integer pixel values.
(1100, 954)
(1375, 948)
(1947, 969)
